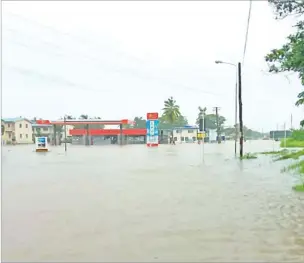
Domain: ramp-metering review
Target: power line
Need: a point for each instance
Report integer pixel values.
(117, 70)
(247, 31)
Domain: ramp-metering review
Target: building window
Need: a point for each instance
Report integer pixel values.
(187, 139)
(175, 139)
(9, 135)
(20, 135)
(20, 125)
(8, 125)
(45, 129)
(182, 139)
(26, 125)
(190, 131)
(26, 136)
(194, 139)
(177, 131)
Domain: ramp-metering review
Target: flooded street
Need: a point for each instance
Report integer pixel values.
(133, 204)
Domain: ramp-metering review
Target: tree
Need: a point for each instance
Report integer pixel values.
(290, 57)
(140, 123)
(210, 119)
(70, 117)
(2, 129)
(165, 124)
(92, 126)
(211, 122)
(84, 116)
(171, 111)
(300, 100)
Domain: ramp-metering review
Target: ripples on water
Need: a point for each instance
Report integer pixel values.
(132, 203)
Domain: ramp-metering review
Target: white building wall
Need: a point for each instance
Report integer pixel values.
(23, 132)
(185, 135)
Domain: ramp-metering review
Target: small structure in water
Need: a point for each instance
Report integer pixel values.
(41, 144)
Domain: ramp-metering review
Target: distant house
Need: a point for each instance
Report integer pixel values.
(17, 130)
(45, 130)
(185, 134)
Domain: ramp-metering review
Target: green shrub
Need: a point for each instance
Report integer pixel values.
(248, 156)
(298, 135)
(292, 143)
(298, 188)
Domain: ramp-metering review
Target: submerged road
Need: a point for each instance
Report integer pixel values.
(132, 203)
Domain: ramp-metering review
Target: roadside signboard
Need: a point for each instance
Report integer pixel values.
(201, 135)
(152, 129)
(41, 144)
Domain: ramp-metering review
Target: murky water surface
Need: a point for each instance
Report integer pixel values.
(132, 203)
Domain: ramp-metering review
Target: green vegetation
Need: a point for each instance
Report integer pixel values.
(275, 152)
(248, 156)
(296, 140)
(171, 111)
(290, 57)
(210, 119)
(297, 167)
(291, 143)
(172, 117)
(298, 188)
(291, 155)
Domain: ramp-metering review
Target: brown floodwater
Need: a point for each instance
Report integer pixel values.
(132, 203)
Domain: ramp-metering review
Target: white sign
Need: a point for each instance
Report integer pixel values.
(41, 144)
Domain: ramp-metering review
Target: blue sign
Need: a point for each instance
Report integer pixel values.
(41, 139)
(41, 142)
(152, 127)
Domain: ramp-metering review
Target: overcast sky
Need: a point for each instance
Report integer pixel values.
(119, 60)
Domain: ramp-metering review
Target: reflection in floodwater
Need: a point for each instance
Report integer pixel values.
(134, 203)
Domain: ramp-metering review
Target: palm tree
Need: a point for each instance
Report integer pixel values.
(302, 123)
(171, 111)
(69, 117)
(171, 114)
(300, 100)
(84, 116)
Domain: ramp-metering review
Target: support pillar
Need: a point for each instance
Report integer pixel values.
(120, 127)
(87, 140)
(55, 137)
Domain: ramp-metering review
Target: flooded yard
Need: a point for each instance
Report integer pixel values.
(132, 203)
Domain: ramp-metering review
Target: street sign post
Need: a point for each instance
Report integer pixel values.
(152, 129)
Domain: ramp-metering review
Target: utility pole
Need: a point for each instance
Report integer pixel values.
(240, 109)
(202, 129)
(217, 125)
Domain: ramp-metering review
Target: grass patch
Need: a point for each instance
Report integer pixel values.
(292, 143)
(298, 188)
(248, 156)
(298, 167)
(290, 155)
(284, 151)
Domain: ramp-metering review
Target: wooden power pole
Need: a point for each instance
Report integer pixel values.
(218, 131)
(240, 110)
